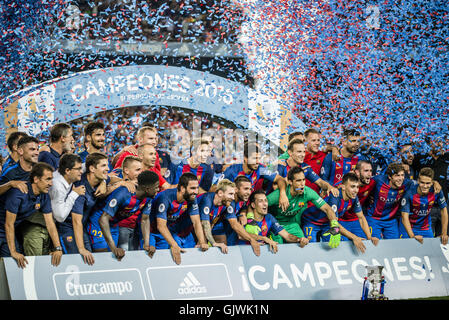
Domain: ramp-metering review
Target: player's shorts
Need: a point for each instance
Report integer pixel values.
(314, 232)
(292, 228)
(388, 229)
(353, 227)
(68, 243)
(97, 239)
(158, 241)
(425, 233)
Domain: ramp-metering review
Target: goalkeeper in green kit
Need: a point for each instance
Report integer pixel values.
(298, 196)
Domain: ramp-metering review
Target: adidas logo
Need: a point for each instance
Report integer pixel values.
(191, 285)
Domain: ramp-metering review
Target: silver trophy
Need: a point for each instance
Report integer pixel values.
(374, 281)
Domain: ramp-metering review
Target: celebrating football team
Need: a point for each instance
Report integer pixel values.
(54, 201)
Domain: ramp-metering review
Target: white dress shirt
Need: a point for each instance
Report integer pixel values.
(62, 199)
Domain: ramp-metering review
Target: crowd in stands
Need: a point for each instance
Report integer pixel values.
(89, 190)
(142, 20)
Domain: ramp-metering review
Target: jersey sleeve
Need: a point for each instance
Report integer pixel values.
(78, 206)
(15, 198)
(315, 198)
(275, 227)
(441, 200)
(326, 167)
(282, 170)
(116, 200)
(193, 208)
(147, 209)
(310, 174)
(333, 203)
(230, 212)
(267, 174)
(204, 205)
(357, 207)
(161, 205)
(170, 173)
(207, 177)
(406, 203)
(229, 174)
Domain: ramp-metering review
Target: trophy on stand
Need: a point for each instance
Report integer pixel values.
(374, 281)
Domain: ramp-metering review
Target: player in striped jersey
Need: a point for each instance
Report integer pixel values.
(217, 213)
(122, 204)
(416, 206)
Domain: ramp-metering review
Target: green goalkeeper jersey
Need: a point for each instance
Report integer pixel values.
(297, 204)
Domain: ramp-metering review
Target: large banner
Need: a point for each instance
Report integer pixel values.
(37, 108)
(209, 275)
(316, 272)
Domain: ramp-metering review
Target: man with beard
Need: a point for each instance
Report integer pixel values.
(243, 190)
(364, 171)
(122, 204)
(217, 213)
(174, 214)
(17, 205)
(416, 207)
(333, 171)
(61, 141)
(94, 139)
(407, 157)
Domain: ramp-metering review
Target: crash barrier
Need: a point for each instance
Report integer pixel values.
(316, 272)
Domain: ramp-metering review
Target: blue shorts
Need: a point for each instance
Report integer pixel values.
(314, 232)
(388, 229)
(68, 243)
(158, 241)
(353, 227)
(425, 233)
(96, 236)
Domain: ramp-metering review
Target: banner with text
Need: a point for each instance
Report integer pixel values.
(39, 107)
(316, 272)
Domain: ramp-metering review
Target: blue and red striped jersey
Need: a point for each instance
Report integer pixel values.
(215, 214)
(386, 200)
(418, 206)
(257, 177)
(166, 206)
(120, 205)
(333, 171)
